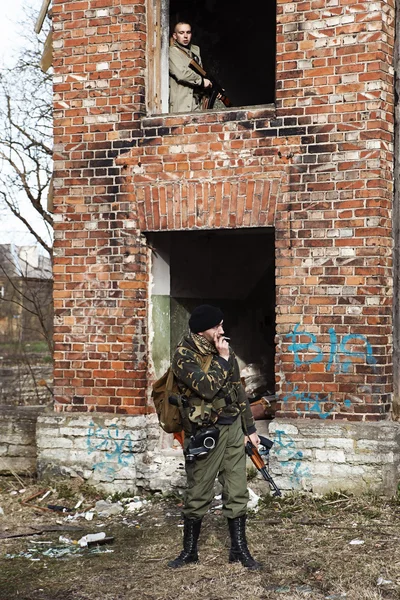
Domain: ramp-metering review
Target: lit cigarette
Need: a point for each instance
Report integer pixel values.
(227, 339)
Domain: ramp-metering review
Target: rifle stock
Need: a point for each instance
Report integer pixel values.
(258, 462)
(216, 90)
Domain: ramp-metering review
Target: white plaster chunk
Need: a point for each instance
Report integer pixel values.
(50, 420)
(330, 456)
(322, 431)
(73, 431)
(177, 149)
(347, 252)
(373, 144)
(310, 443)
(374, 445)
(320, 469)
(139, 422)
(56, 442)
(347, 471)
(372, 458)
(346, 444)
(287, 428)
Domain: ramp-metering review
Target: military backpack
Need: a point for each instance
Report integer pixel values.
(169, 415)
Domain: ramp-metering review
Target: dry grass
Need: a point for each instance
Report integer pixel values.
(303, 541)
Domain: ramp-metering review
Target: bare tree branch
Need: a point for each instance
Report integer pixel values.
(26, 135)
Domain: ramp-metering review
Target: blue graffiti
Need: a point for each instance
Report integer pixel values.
(288, 455)
(341, 355)
(313, 403)
(116, 449)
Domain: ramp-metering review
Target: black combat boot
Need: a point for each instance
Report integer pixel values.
(191, 532)
(239, 551)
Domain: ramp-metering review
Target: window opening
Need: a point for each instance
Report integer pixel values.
(237, 44)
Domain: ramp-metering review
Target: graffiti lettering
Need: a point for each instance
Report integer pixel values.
(341, 354)
(117, 450)
(318, 404)
(288, 457)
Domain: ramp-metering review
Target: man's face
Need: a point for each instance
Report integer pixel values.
(214, 333)
(183, 34)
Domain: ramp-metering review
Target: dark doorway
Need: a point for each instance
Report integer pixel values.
(232, 269)
(237, 43)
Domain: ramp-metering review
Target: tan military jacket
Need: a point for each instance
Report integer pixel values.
(184, 83)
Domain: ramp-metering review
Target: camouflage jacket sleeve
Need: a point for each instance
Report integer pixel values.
(188, 371)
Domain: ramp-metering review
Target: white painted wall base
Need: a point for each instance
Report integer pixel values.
(127, 453)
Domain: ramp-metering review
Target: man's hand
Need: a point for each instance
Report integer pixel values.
(253, 438)
(221, 345)
(207, 83)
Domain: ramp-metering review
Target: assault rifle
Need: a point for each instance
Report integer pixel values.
(216, 91)
(259, 463)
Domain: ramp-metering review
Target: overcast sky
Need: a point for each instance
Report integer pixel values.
(10, 42)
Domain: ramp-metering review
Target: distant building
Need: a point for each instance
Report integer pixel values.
(26, 288)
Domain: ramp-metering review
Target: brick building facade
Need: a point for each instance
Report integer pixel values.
(147, 205)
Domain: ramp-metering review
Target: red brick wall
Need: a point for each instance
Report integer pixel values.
(318, 167)
(100, 260)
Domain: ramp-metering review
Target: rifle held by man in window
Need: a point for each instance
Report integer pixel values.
(259, 463)
(216, 91)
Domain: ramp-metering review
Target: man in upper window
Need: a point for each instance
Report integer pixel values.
(185, 85)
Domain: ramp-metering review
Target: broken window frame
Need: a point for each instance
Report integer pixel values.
(157, 88)
(158, 58)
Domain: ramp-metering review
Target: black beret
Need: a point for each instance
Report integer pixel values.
(205, 317)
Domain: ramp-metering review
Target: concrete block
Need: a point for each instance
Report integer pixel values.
(330, 456)
(287, 428)
(346, 444)
(22, 451)
(310, 443)
(320, 469)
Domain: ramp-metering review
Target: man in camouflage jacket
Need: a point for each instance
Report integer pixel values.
(215, 398)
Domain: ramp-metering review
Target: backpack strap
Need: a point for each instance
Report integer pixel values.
(170, 381)
(206, 366)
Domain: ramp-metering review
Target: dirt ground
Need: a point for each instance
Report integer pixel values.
(330, 547)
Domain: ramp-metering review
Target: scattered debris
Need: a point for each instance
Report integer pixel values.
(34, 554)
(1, 512)
(135, 503)
(45, 495)
(91, 537)
(66, 540)
(59, 508)
(356, 542)
(35, 495)
(38, 531)
(253, 500)
(105, 508)
(382, 581)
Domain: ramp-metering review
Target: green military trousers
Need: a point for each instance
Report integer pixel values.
(227, 461)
